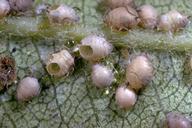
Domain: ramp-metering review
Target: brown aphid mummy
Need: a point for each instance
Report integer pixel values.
(102, 76)
(59, 64)
(139, 72)
(94, 48)
(4, 8)
(21, 5)
(172, 21)
(148, 16)
(27, 89)
(63, 14)
(174, 120)
(125, 97)
(122, 18)
(120, 3)
(7, 71)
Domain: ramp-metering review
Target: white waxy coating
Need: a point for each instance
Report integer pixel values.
(94, 48)
(59, 64)
(120, 3)
(28, 88)
(125, 97)
(63, 14)
(21, 5)
(102, 76)
(4, 8)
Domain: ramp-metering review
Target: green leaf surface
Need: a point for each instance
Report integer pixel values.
(73, 102)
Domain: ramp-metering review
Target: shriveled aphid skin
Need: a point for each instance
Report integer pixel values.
(120, 3)
(4, 8)
(59, 64)
(174, 120)
(28, 88)
(63, 14)
(122, 18)
(125, 97)
(148, 16)
(101, 76)
(7, 71)
(172, 21)
(94, 48)
(21, 5)
(139, 72)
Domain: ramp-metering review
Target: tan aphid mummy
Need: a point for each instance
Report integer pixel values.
(63, 14)
(59, 64)
(125, 97)
(122, 18)
(120, 3)
(21, 5)
(94, 48)
(148, 16)
(102, 76)
(172, 21)
(28, 88)
(174, 120)
(4, 8)
(139, 72)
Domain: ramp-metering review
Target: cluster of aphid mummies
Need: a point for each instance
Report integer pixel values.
(124, 15)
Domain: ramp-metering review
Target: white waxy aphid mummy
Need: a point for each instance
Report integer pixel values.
(148, 16)
(175, 120)
(102, 76)
(172, 21)
(59, 64)
(125, 97)
(122, 18)
(120, 3)
(63, 14)
(28, 88)
(21, 5)
(139, 72)
(4, 8)
(94, 48)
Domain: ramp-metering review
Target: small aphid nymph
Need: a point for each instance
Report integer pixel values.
(102, 76)
(59, 64)
(4, 8)
(139, 72)
(28, 88)
(21, 5)
(148, 16)
(63, 14)
(175, 120)
(120, 3)
(122, 18)
(125, 97)
(94, 48)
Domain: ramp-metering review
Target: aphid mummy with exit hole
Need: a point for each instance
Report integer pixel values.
(94, 48)
(28, 88)
(63, 14)
(139, 72)
(122, 18)
(120, 3)
(59, 64)
(21, 5)
(4, 8)
(101, 76)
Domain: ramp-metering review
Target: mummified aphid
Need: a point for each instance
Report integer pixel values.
(101, 76)
(63, 14)
(125, 97)
(139, 72)
(7, 71)
(174, 120)
(59, 64)
(4, 8)
(94, 48)
(120, 3)
(122, 18)
(148, 16)
(21, 5)
(28, 88)
(172, 21)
